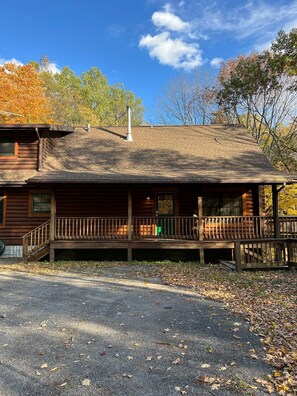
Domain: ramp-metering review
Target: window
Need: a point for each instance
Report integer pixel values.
(165, 204)
(40, 203)
(8, 147)
(222, 204)
(2, 208)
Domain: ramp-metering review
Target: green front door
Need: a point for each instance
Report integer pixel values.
(165, 210)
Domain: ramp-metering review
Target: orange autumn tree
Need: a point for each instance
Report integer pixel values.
(22, 96)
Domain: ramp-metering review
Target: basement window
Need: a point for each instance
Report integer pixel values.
(40, 203)
(8, 147)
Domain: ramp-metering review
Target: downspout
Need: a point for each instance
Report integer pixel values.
(39, 158)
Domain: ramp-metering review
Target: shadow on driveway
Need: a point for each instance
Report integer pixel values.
(127, 336)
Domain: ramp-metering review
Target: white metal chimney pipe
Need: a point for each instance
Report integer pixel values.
(129, 134)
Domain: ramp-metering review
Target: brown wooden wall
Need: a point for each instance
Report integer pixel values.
(27, 152)
(28, 148)
(18, 221)
(88, 200)
(111, 200)
(107, 200)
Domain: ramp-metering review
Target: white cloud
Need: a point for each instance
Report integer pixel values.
(172, 52)
(51, 67)
(176, 45)
(250, 19)
(168, 20)
(216, 62)
(12, 60)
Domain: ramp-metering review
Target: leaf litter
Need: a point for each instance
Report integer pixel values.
(267, 300)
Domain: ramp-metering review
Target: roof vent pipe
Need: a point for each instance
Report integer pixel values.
(129, 134)
(89, 127)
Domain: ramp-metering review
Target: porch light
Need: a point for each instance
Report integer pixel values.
(148, 198)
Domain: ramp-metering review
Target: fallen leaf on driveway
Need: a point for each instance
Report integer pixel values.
(127, 375)
(215, 386)
(205, 365)
(86, 382)
(223, 368)
(267, 300)
(176, 361)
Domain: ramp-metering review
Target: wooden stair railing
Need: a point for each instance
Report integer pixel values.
(36, 241)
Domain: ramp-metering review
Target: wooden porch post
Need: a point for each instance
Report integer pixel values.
(275, 211)
(261, 203)
(238, 256)
(52, 224)
(200, 228)
(129, 223)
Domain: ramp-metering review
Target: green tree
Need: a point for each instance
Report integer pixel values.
(108, 102)
(95, 92)
(89, 98)
(255, 93)
(284, 50)
(119, 99)
(65, 93)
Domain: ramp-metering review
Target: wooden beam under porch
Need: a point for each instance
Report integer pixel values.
(137, 244)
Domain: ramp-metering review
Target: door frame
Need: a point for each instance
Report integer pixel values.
(166, 190)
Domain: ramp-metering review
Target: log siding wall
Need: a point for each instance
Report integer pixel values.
(18, 221)
(27, 152)
(103, 201)
(28, 149)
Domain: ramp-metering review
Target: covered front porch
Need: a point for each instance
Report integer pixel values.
(250, 238)
(155, 217)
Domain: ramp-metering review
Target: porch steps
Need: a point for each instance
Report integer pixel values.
(38, 254)
(230, 264)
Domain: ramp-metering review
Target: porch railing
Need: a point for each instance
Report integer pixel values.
(267, 253)
(288, 226)
(36, 239)
(177, 227)
(75, 228)
(238, 227)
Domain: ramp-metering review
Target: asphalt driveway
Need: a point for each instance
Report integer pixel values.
(116, 334)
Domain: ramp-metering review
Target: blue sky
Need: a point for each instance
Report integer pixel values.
(141, 43)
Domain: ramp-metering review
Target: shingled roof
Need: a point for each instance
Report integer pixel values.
(159, 154)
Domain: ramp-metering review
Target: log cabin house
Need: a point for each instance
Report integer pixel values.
(163, 187)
